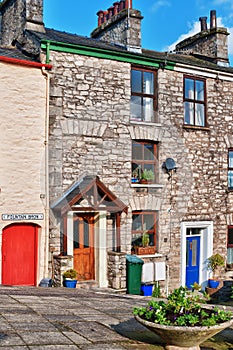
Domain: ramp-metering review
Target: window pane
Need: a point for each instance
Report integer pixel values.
(229, 255)
(189, 88)
(230, 236)
(135, 107)
(76, 234)
(200, 114)
(148, 83)
(194, 252)
(86, 234)
(149, 152)
(136, 81)
(137, 151)
(189, 113)
(149, 221)
(136, 171)
(230, 159)
(199, 90)
(148, 109)
(137, 222)
(230, 179)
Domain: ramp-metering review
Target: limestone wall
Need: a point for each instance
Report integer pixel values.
(91, 133)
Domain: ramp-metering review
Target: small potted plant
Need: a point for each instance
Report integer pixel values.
(147, 176)
(146, 248)
(69, 278)
(214, 262)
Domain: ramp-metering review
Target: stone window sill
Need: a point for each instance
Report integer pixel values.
(195, 127)
(146, 185)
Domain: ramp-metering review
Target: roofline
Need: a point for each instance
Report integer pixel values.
(24, 62)
(127, 56)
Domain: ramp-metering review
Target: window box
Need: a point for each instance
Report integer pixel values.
(145, 250)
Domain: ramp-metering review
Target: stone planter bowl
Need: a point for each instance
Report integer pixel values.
(183, 338)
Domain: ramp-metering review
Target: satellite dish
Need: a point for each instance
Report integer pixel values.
(170, 164)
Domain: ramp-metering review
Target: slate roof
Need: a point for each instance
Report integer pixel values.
(68, 38)
(15, 53)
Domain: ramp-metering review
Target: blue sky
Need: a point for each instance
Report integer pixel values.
(165, 21)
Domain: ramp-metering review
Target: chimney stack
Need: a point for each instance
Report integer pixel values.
(213, 19)
(203, 23)
(120, 25)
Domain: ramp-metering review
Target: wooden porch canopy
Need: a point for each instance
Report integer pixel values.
(90, 194)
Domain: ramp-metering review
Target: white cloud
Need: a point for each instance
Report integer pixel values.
(230, 41)
(158, 4)
(193, 30)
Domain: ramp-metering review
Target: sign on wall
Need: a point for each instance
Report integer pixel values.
(19, 217)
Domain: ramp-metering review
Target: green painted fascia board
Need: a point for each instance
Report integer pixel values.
(104, 53)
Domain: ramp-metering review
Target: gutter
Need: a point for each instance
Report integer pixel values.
(128, 57)
(24, 62)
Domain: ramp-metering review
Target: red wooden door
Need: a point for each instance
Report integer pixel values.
(84, 246)
(19, 254)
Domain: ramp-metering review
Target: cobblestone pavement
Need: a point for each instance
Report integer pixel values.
(67, 319)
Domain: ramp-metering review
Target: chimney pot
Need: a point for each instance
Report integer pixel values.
(203, 23)
(110, 12)
(213, 19)
(128, 4)
(122, 5)
(116, 7)
(100, 15)
(105, 16)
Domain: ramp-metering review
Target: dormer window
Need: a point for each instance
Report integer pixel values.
(194, 101)
(142, 95)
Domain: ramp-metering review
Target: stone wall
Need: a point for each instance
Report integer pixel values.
(18, 15)
(117, 270)
(60, 265)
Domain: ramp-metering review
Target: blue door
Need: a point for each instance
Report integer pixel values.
(192, 260)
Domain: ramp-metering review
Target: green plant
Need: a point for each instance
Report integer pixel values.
(215, 261)
(145, 239)
(148, 175)
(182, 309)
(156, 290)
(196, 286)
(71, 273)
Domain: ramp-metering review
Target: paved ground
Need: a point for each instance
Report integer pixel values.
(68, 319)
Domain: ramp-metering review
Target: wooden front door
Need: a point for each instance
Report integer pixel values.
(19, 254)
(84, 246)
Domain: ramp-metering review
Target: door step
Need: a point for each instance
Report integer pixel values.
(87, 284)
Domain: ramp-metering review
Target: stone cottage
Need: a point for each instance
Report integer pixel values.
(140, 147)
